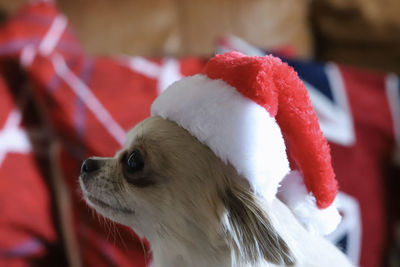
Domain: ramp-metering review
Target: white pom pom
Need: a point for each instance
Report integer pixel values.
(294, 194)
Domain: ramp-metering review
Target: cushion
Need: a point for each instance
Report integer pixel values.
(27, 228)
(90, 103)
(359, 113)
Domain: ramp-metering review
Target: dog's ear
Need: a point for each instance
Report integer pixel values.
(250, 230)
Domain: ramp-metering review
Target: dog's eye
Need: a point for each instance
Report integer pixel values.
(133, 170)
(135, 161)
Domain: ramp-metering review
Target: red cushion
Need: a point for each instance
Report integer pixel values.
(361, 165)
(26, 224)
(91, 103)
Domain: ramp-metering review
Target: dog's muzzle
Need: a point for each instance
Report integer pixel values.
(88, 167)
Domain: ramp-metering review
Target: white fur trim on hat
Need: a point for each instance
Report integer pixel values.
(294, 194)
(235, 128)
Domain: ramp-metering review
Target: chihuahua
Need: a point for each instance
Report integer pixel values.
(195, 209)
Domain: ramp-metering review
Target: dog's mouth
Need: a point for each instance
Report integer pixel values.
(102, 204)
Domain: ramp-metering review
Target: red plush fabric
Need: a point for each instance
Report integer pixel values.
(276, 87)
(253, 77)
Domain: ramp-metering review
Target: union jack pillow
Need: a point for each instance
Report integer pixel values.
(91, 103)
(359, 113)
(27, 230)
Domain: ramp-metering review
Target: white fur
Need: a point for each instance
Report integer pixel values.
(237, 130)
(310, 250)
(294, 194)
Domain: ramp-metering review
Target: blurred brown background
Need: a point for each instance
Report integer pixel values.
(360, 32)
(180, 27)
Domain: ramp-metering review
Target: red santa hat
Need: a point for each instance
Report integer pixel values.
(245, 109)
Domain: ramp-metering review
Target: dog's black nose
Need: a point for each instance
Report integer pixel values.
(89, 165)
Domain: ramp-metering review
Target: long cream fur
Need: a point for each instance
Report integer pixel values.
(196, 210)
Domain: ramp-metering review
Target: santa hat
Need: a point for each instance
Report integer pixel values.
(245, 109)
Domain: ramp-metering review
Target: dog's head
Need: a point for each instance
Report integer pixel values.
(165, 182)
